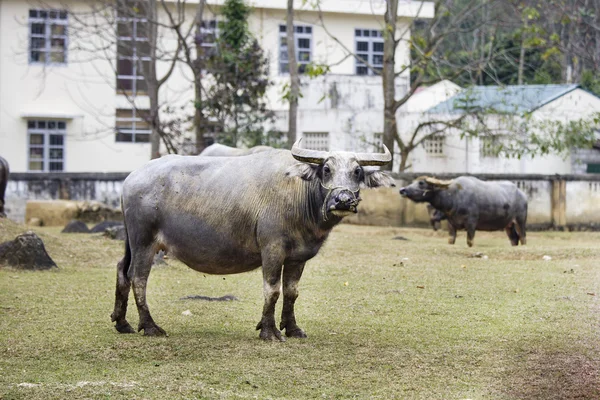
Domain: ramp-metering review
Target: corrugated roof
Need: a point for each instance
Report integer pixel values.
(513, 99)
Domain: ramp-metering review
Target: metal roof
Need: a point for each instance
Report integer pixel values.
(513, 99)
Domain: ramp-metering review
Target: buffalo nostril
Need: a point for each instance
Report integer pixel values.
(402, 191)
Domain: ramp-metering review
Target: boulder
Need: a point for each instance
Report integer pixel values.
(115, 232)
(102, 226)
(60, 212)
(26, 251)
(76, 226)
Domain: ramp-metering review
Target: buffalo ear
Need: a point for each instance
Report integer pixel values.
(308, 172)
(375, 179)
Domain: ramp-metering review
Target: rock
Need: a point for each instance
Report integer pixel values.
(546, 258)
(187, 313)
(76, 226)
(102, 226)
(26, 251)
(115, 232)
(35, 222)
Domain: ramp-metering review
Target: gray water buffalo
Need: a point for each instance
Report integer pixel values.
(471, 204)
(226, 215)
(4, 171)
(220, 150)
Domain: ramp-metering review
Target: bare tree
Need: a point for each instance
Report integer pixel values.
(134, 46)
(294, 90)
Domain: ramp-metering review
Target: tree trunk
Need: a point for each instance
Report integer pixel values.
(199, 127)
(403, 160)
(388, 75)
(294, 78)
(152, 82)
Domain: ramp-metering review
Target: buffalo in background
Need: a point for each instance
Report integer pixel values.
(220, 150)
(472, 204)
(4, 171)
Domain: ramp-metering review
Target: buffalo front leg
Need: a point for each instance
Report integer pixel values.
(451, 234)
(271, 268)
(291, 276)
(470, 235)
(142, 264)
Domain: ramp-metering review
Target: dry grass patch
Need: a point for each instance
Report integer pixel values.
(386, 318)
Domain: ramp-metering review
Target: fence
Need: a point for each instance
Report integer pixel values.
(555, 201)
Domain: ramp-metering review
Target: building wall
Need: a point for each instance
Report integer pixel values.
(463, 155)
(82, 93)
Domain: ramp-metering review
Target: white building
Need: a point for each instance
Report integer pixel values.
(451, 153)
(61, 110)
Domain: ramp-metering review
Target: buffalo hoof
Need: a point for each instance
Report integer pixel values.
(153, 330)
(269, 333)
(295, 333)
(124, 327)
(451, 241)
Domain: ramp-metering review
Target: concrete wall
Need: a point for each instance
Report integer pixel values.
(563, 202)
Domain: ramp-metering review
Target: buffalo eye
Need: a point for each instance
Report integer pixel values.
(421, 183)
(357, 171)
(326, 170)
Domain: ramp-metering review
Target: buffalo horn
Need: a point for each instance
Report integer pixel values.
(374, 159)
(306, 155)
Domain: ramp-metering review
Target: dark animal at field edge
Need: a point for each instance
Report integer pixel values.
(472, 204)
(220, 150)
(227, 215)
(435, 217)
(4, 171)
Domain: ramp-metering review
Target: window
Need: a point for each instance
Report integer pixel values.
(48, 36)
(434, 145)
(488, 146)
(132, 126)
(316, 140)
(209, 32)
(303, 42)
(592, 169)
(133, 47)
(369, 47)
(46, 145)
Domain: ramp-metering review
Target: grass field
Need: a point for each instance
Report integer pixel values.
(386, 318)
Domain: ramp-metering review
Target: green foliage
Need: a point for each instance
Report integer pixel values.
(591, 81)
(235, 99)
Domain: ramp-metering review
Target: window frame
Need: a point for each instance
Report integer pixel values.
(309, 138)
(429, 145)
(133, 131)
(375, 36)
(135, 59)
(61, 18)
(297, 37)
(46, 132)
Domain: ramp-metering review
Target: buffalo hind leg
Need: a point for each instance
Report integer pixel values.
(512, 234)
(291, 276)
(451, 233)
(470, 236)
(122, 292)
(142, 264)
(520, 226)
(271, 268)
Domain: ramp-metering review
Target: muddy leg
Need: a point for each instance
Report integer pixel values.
(142, 264)
(122, 293)
(291, 276)
(272, 266)
(512, 234)
(520, 225)
(470, 236)
(451, 233)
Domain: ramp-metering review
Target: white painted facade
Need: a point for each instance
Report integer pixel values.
(465, 155)
(82, 95)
